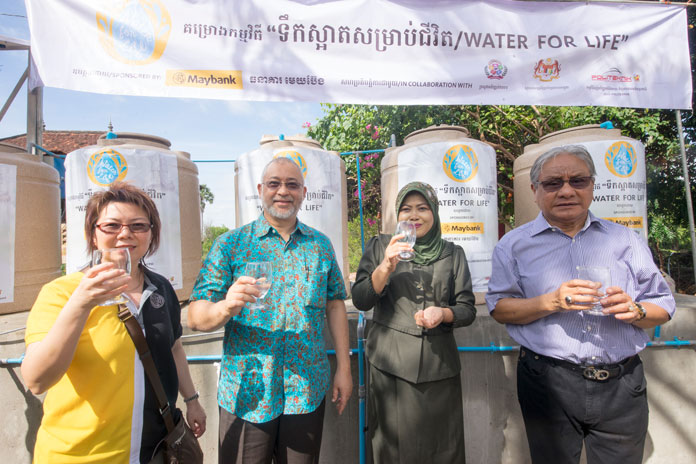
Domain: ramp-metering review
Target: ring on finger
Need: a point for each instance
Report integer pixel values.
(569, 300)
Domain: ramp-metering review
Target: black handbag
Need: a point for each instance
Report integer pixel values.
(180, 445)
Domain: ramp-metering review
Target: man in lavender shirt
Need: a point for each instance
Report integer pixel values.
(579, 377)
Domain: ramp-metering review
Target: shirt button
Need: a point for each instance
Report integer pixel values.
(573, 240)
(589, 328)
(594, 357)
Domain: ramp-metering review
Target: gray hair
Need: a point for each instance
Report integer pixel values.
(578, 151)
(281, 159)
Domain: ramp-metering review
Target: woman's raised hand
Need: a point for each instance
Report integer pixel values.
(391, 254)
(99, 284)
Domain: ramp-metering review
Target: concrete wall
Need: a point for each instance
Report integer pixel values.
(493, 423)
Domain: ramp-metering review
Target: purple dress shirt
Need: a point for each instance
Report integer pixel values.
(536, 258)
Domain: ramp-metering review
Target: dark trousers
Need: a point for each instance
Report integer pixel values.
(561, 409)
(287, 439)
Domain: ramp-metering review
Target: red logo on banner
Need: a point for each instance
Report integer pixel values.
(547, 70)
(615, 75)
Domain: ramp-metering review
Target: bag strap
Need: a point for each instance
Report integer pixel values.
(136, 334)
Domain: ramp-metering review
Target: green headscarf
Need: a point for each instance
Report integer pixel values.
(429, 247)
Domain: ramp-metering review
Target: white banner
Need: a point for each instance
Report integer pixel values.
(92, 169)
(323, 203)
(8, 213)
(368, 51)
(464, 175)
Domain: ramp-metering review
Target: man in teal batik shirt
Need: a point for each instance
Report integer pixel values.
(275, 373)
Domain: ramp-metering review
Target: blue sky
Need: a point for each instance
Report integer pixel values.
(208, 129)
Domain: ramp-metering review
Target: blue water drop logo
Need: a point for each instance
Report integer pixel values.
(460, 163)
(621, 159)
(133, 33)
(106, 167)
(622, 162)
(461, 167)
(106, 171)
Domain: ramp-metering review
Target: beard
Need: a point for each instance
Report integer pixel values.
(277, 214)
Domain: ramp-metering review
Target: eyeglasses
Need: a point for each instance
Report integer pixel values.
(554, 185)
(275, 185)
(112, 228)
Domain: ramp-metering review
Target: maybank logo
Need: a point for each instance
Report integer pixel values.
(106, 167)
(621, 159)
(205, 78)
(460, 163)
(630, 222)
(135, 31)
(459, 228)
(296, 157)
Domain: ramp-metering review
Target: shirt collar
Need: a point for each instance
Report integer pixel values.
(148, 283)
(149, 289)
(540, 224)
(263, 228)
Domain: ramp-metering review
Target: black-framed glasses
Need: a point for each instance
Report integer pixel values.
(112, 228)
(556, 184)
(275, 185)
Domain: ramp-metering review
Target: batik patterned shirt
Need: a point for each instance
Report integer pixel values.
(274, 359)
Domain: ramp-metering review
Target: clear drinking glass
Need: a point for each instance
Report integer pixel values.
(121, 259)
(408, 230)
(263, 273)
(601, 274)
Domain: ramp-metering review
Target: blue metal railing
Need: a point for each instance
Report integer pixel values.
(359, 178)
(362, 387)
(48, 152)
(491, 348)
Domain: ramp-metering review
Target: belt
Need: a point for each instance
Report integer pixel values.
(599, 372)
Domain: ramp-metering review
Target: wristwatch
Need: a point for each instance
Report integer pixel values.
(637, 307)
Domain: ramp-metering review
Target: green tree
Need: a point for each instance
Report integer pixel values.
(206, 196)
(209, 236)
(508, 129)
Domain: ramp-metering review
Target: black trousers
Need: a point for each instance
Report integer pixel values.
(287, 439)
(561, 409)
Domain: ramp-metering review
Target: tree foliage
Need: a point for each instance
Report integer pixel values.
(508, 129)
(209, 236)
(206, 196)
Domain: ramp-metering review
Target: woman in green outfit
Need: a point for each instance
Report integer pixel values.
(415, 400)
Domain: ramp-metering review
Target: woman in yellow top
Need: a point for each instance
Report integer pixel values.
(99, 405)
